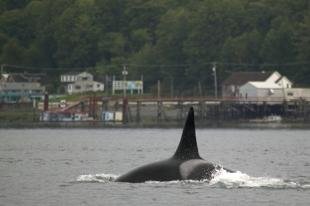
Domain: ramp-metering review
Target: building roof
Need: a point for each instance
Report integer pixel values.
(71, 73)
(265, 85)
(18, 78)
(240, 78)
(75, 73)
(85, 82)
(21, 86)
(23, 77)
(285, 79)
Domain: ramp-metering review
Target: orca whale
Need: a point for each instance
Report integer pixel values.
(185, 164)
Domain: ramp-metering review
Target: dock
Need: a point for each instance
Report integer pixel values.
(156, 110)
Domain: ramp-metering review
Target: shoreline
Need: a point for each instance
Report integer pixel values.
(155, 125)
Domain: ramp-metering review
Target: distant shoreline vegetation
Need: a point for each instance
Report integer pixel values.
(173, 41)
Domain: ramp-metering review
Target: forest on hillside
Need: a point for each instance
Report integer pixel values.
(175, 41)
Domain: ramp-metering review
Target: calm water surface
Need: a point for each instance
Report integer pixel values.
(78, 166)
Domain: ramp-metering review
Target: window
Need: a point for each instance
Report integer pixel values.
(77, 87)
(271, 91)
(233, 89)
(290, 94)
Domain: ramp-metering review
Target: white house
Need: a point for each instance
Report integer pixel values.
(237, 83)
(81, 82)
(75, 76)
(274, 88)
(85, 76)
(273, 76)
(297, 93)
(68, 78)
(231, 85)
(266, 91)
(85, 86)
(284, 82)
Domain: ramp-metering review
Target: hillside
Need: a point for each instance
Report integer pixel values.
(175, 41)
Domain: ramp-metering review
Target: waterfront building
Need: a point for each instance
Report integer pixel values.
(21, 87)
(80, 83)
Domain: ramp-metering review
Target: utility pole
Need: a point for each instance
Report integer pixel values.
(171, 87)
(113, 86)
(124, 73)
(158, 89)
(199, 89)
(141, 91)
(215, 80)
(283, 90)
(125, 100)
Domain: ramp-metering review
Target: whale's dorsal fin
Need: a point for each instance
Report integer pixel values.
(187, 148)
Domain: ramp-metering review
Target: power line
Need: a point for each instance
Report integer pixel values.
(261, 65)
(20, 67)
(222, 63)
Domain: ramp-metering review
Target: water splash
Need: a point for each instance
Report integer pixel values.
(100, 178)
(221, 179)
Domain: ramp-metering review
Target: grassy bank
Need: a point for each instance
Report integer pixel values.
(19, 116)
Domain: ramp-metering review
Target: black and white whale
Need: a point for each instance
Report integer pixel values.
(185, 164)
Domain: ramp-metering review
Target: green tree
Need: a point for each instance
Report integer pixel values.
(76, 36)
(12, 53)
(303, 39)
(278, 46)
(6, 5)
(302, 76)
(3, 41)
(243, 49)
(162, 39)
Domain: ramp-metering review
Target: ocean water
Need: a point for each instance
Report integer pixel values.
(79, 166)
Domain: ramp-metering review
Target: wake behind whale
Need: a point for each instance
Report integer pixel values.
(221, 179)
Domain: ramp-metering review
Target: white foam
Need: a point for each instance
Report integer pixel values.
(241, 180)
(102, 178)
(306, 186)
(221, 178)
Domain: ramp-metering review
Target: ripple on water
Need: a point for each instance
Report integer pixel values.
(10, 160)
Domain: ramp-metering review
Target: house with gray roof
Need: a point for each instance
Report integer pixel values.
(231, 86)
(262, 86)
(16, 87)
(80, 82)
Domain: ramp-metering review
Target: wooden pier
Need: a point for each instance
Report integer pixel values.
(158, 112)
(161, 110)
